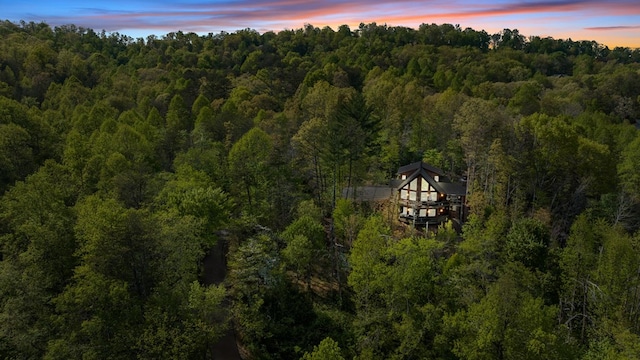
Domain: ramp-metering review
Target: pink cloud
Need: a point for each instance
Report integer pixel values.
(609, 28)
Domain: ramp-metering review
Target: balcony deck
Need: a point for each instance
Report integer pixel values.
(423, 220)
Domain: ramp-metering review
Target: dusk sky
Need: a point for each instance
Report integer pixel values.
(612, 23)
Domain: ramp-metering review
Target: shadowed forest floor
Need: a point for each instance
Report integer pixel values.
(215, 271)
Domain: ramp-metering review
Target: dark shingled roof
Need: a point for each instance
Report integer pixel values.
(368, 193)
(453, 188)
(419, 165)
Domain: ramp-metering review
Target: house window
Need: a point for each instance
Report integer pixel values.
(404, 194)
(413, 185)
(413, 189)
(433, 196)
(423, 212)
(403, 177)
(431, 213)
(436, 178)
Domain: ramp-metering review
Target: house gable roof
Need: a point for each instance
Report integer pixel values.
(421, 172)
(440, 186)
(410, 168)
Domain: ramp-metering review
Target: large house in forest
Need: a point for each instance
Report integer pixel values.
(427, 197)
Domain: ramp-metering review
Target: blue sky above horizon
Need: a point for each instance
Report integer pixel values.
(612, 23)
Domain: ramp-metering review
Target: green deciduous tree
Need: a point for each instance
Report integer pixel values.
(249, 169)
(36, 258)
(191, 192)
(251, 274)
(328, 349)
(16, 157)
(528, 242)
(629, 170)
(101, 311)
(479, 124)
(509, 323)
(266, 307)
(397, 300)
(346, 221)
(305, 246)
(600, 280)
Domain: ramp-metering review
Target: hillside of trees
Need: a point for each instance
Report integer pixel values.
(124, 162)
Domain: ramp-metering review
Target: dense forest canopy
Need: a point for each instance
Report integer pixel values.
(124, 162)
